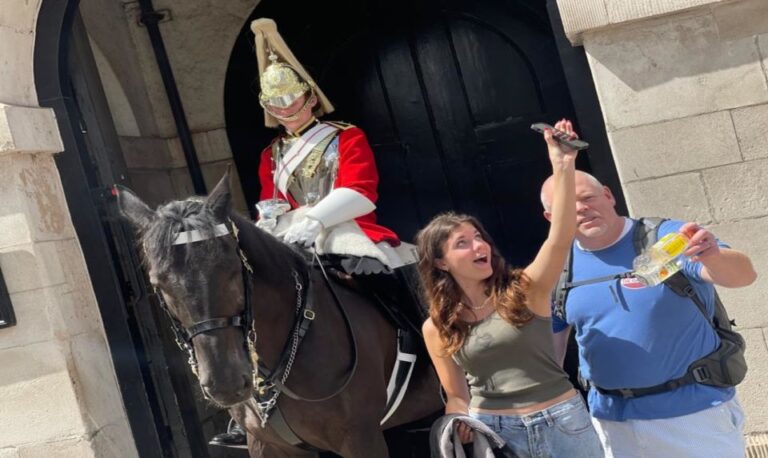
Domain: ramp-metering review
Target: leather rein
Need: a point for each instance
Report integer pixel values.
(267, 384)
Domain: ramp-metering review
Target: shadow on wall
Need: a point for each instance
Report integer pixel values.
(662, 52)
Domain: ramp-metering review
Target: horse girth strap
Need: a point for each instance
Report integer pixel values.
(213, 323)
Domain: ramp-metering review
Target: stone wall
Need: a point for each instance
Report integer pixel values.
(58, 392)
(684, 91)
(198, 36)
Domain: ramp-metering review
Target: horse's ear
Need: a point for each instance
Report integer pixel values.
(133, 208)
(220, 199)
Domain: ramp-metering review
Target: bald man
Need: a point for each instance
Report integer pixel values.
(635, 336)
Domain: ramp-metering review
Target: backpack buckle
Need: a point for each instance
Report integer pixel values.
(626, 393)
(701, 374)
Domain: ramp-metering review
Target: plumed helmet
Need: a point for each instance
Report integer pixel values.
(281, 75)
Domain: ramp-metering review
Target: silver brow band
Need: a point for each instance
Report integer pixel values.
(182, 238)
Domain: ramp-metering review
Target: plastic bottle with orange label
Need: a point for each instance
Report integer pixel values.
(662, 260)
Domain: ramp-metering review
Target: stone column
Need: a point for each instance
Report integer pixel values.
(684, 91)
(58, 391)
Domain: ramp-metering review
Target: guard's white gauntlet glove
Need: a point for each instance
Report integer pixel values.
(304, 232)
(340, 205)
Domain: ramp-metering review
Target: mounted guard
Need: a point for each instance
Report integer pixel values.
(318, 191)
(318, 178)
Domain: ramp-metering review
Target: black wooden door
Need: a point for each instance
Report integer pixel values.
(446, 92)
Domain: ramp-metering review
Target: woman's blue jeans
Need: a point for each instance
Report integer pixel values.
(562, 430)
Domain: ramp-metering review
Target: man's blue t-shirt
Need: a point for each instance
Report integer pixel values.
(633, 336)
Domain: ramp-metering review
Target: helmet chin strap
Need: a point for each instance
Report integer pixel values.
(311, 100)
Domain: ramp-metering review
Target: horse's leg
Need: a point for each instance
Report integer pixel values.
(257, 449)
(364, 444)
(260, 448)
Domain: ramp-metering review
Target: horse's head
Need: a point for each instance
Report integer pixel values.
(193, 261)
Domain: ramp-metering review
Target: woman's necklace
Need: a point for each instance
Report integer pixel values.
(477, 307)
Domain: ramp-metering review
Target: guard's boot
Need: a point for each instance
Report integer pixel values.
(233, 438)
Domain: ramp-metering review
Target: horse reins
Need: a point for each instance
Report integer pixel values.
(267, 384)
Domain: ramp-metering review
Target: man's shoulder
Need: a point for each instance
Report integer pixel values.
(663, 224)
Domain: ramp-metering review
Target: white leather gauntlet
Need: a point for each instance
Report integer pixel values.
(342, 204)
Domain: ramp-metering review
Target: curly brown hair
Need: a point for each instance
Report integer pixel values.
(506, 288)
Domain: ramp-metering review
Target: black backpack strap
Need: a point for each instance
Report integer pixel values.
(560, 292)
(646, 232)
(699, 374)
(564, 285)
(681, 285)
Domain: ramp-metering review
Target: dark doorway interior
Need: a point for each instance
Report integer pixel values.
(446, 92)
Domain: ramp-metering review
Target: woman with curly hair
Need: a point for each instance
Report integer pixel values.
(490, 325)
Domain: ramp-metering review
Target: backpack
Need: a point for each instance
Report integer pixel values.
(724, 367)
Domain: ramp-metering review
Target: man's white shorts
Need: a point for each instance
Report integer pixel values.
(713, 432)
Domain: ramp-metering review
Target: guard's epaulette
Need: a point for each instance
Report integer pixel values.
(340, 125)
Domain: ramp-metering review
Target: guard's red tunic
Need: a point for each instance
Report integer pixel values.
(357, 170)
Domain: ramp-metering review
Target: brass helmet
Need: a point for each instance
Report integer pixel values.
(280, 84)
(281, 76)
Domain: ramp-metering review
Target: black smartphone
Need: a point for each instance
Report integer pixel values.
(561, 136)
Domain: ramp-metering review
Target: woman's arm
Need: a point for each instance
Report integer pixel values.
(450, 374)
(545, 269)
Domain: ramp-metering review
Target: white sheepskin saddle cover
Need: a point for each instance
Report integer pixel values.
(348, 239)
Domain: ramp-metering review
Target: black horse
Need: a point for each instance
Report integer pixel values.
(325, 351)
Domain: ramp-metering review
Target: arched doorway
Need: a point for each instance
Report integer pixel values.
(446, 92)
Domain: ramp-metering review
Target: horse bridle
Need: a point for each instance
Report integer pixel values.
(267, 384)
(184, 335)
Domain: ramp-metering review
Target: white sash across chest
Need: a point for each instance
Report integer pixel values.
(298, 152)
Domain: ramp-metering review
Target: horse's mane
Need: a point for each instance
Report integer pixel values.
(254, 240)
(170, 219)
(193, 214)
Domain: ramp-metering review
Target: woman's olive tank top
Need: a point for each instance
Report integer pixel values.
(510, 367)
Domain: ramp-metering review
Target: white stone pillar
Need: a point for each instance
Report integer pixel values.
(684, 91)
(58, 391)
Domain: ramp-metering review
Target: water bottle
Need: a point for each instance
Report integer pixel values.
(662, 260)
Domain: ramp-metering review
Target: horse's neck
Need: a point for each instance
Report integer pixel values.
(276, 271)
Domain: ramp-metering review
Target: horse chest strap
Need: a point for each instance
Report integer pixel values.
(309, 316)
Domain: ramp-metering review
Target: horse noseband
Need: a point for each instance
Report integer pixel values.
(210, 325)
